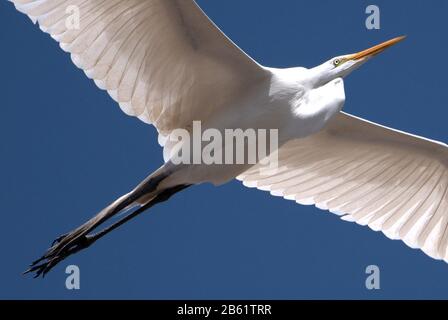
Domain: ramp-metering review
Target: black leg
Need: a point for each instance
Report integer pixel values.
(79, 239)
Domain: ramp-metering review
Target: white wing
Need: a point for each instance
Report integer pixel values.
(376, 176)
(163, 61)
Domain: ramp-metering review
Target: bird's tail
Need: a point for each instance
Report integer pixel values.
(148, 193)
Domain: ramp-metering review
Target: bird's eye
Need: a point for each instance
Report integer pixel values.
(336, 62)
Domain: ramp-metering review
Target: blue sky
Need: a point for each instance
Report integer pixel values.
(67, 150)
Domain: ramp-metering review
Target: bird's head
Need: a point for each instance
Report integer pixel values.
(339, 67)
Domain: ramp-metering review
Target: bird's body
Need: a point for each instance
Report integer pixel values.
(284, 100)
(166, 63)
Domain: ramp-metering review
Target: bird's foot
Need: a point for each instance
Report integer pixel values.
(60, 249)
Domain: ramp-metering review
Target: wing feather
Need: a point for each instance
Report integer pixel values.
(163, 61)
(389, 180)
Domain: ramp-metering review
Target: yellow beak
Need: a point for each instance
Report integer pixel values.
(376, 49)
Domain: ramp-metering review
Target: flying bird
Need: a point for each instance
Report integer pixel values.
(166, 63)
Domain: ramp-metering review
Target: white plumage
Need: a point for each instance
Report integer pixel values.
(376, 176)
(162, 61)
(166, 63)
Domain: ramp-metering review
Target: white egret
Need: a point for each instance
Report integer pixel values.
(166, 63)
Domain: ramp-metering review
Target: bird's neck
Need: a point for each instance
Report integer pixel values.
(320, 76)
